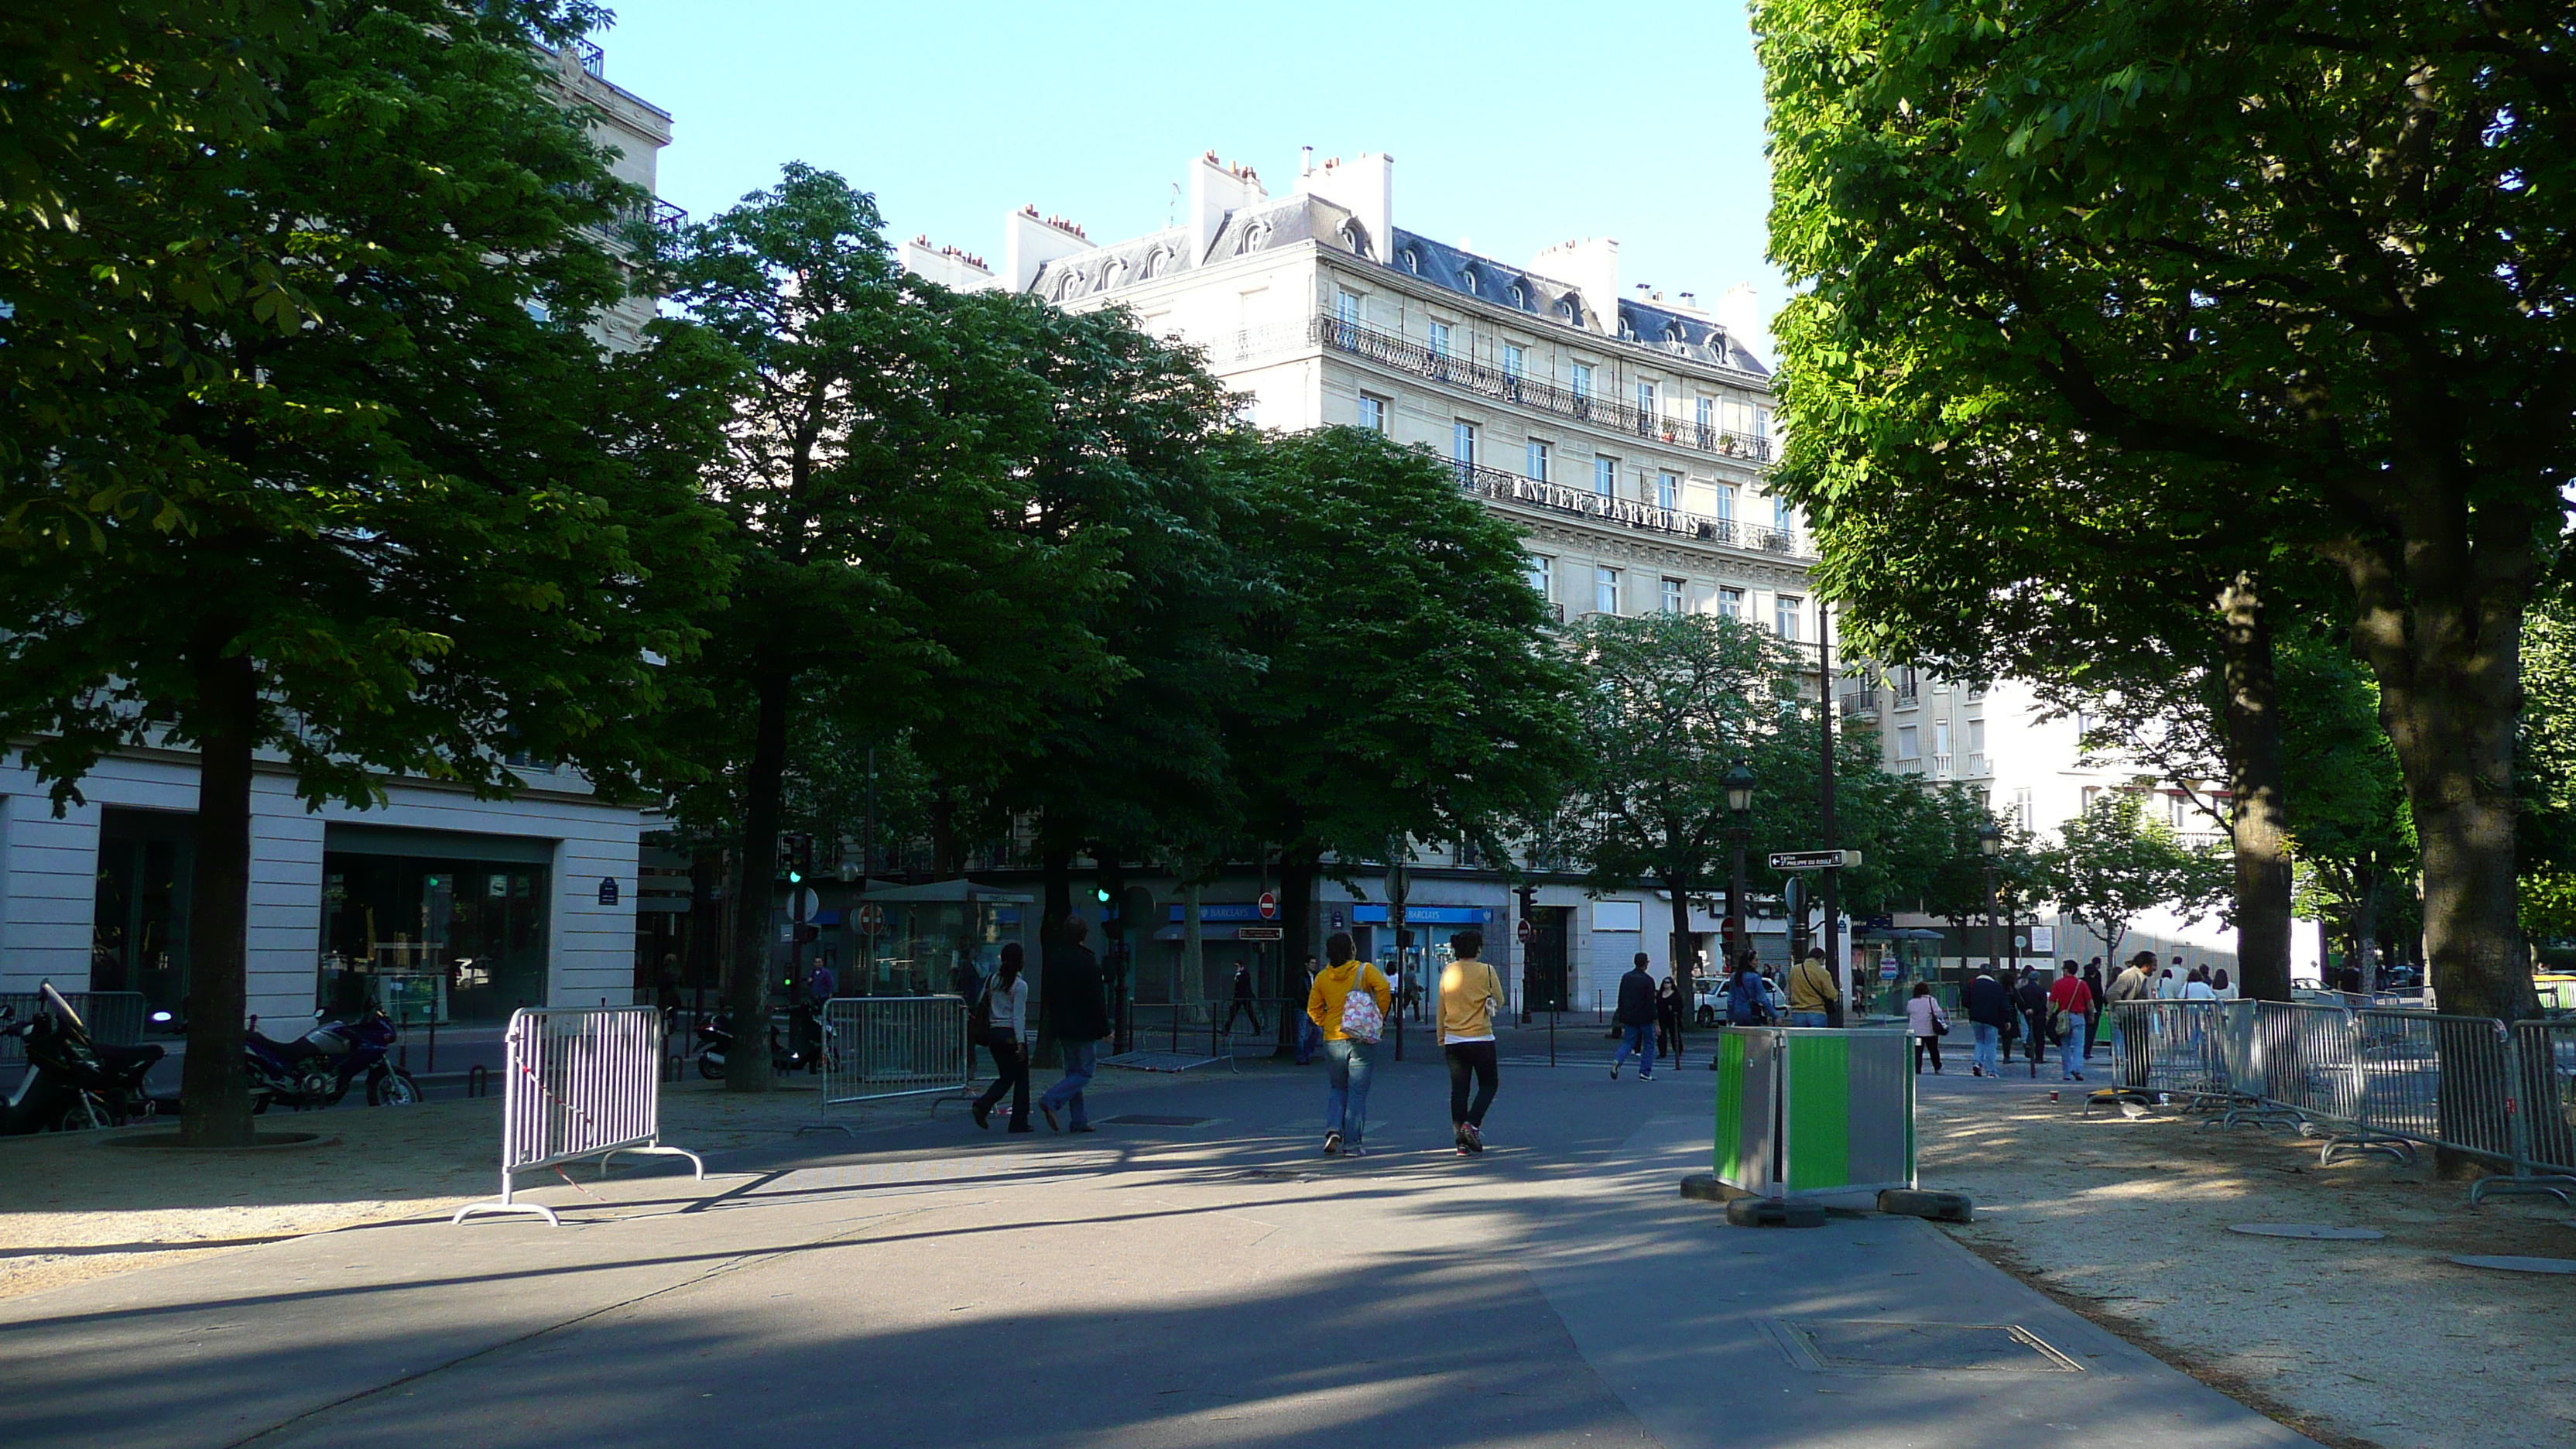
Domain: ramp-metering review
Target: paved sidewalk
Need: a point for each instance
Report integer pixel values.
(1159, 1284)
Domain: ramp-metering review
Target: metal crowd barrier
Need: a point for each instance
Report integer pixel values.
(578, 1084)
(114, 1018)
(2372, 1079)
(878, 1047)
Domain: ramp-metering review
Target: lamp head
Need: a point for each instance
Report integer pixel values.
(1739, 789)
(1990, 840)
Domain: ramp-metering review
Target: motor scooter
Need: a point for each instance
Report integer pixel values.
(716, 1040)
(72, 1083)
(316, 1069)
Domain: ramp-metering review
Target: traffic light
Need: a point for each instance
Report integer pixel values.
(795, 857)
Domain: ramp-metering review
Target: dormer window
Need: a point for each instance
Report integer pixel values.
(1255, 235)
(1159, 263)
(1467, 279)
(1355, 236)
(1567, 310)
(1520, 295)
(1411, 259)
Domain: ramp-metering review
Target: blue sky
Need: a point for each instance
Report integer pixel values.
(1513, 127)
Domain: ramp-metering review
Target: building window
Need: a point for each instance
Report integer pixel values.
(1977, 736)
(1462, 443)
(1520, 295)
(1542, 575)
(1726, 502)
(1511, 360)
(1605, 475)
(1761, 422)
(1583, 379)
(1706, 410)
(1646, 399)
(1411, 259)
(1782, 518)
(1373, 412)
(1467, 279)
(1668, 490)
(1909, 742)
(1940, 737)
(1730, 603)
(1440, 339)
(2022, 812)
(2092, 797)
(1565, 309)
(1672, 598)
(1346, 310)
(1538, 461)
(1605, 590)
(1784, 615)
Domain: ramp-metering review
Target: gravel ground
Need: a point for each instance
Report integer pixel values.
(2381, 1343)
(75, 1210)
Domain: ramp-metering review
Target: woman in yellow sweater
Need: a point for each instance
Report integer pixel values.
(1350, 1039)
(1470, 994)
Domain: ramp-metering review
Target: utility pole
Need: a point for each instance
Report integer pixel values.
(1825, 766)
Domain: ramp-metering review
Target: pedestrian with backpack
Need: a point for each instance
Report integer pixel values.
(1002, 1022)
(1635, 1019)
(2070, 1006)
(1348, 1003)
(1747, 1002)
(1470, 994)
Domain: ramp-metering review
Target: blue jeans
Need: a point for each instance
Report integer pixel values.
(1639, 1040)
(1347, 1064)
(2119, 1052)
(1990, 1052)
(1081, 1059)
(1807, 1018)
(1310, 1039)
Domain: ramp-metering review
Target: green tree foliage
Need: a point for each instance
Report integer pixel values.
(2284, 274)
(2352, 834)
(1669, 703)
(415, 528)
(1409, 686)
(893, 574)
(2545, 767)
(2113, 865)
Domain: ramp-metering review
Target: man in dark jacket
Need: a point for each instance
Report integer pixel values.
(1990, 1012)
(1245, 1003)
(1636, 1020)
(1069, 993)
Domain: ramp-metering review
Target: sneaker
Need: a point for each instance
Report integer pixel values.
(1472, 1138)
(1052, 1124)
(1079, 1127)
(1614, 1074)
(1354, 1150)
(1645, 1076)
(1332, 1144)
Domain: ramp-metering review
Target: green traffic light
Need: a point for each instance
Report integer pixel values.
(1101, 895)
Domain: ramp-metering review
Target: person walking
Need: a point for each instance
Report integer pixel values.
(2197, 988)
(1006, 1032)
(1470, 993)
(1636, 1021)
(2219, 983)
(2031, 999)
(2070, 1004)
(2093, 982)
(1077, 1017)
(1310, 1038)
(1747, 1002)
(1668, 1021)
(1245, 1003)
(1989, 1013)
(1812, 993)
(1927, 1023)
(1348, 1004)
(2131, 984)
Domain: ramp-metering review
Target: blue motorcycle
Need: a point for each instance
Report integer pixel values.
(316, 1069)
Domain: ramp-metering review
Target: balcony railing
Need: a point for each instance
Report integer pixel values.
(1414, 357)
(1502, 487)
(1860, 703)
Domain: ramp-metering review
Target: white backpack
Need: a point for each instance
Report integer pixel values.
(1361, 1019)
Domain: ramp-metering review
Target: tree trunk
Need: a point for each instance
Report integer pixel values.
(2440, 626)
(747, 993)
(1297, 871)
(214, 1094)
(2259, 821)
(1117, 962)
(1682, 965)
(1057, 864)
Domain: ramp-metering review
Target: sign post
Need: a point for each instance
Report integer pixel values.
(1814, 859)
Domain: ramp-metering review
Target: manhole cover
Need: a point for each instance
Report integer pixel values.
(1149, 1119)
(2321, 1231)
(2519, 1265)
(1278, 1174)
(1864, 1346)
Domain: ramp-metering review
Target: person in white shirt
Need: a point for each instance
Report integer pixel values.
(2169, 985)
(1006, 1035)
(2198, 988)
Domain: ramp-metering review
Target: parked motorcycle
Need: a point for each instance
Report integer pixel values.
(315, 1069)
(716, 1039)
(72, 1083)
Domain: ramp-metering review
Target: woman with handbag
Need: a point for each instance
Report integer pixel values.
(1004, 1032)
(1470, 994)
(1928, 1023)
(1348, 1003)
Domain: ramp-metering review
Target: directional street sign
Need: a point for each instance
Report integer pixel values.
(1814, 859)
(1259, 933)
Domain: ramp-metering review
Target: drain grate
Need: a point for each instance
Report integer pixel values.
(1149, 1119)
(1865, 1346)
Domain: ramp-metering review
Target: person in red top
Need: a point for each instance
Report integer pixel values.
(2069, 1001)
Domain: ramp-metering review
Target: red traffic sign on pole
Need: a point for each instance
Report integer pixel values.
(1268, 905)
(871, 919)
(1528, 931)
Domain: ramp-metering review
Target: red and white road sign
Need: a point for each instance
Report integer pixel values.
(1529, 930)
(871, 920)
(1268, 905)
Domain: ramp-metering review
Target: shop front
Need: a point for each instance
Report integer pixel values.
(433, 925)
(139, 937)
(930, 940)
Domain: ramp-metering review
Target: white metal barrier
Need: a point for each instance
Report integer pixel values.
(579, 1084)
(876, 1047)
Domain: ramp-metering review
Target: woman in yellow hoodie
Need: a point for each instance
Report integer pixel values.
(1470, 994)
(1347, 1057)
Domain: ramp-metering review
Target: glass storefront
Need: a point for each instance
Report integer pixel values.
(139, 937)
(926, 947)
(433, 937)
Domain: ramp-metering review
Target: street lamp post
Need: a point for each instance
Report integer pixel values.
(1739, 809)
(1990, 844)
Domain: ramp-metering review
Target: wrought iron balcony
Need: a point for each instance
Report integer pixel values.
(1502, 487)
(1861, 703)
(1414, 357)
